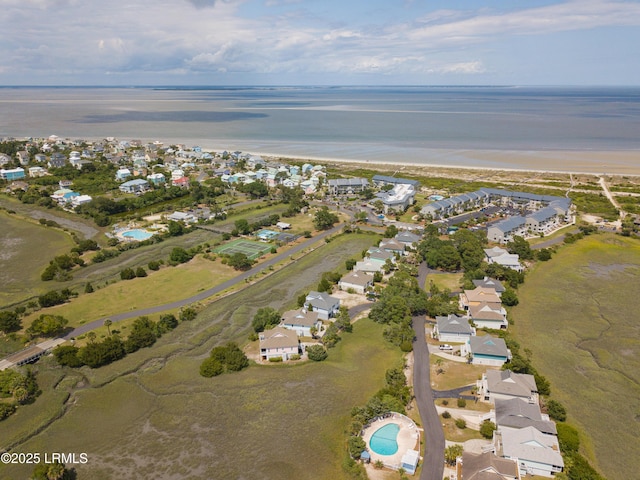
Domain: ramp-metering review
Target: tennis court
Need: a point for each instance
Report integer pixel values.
(251, 249)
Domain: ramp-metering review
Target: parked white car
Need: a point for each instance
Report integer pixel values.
(446, 347)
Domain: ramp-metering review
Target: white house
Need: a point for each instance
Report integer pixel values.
(503, 257)
(323, 303)
(453, 328)
(359, 282)
(278, 342)
(504, 385)
(182, 217)
(301, 321)
(486, 350)
(534, 452)
(486, 315)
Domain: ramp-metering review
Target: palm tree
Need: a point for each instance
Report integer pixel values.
(55, 471)
(91, 336)
(108, 323)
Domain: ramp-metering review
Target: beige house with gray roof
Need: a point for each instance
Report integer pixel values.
(278, 342)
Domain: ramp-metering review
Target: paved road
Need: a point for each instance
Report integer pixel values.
(433, 463)
(204, 294)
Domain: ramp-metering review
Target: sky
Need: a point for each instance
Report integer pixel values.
(319, 42)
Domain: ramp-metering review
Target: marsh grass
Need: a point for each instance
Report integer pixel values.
(577, 316)
(151, 415)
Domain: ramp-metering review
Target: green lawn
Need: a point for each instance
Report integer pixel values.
(444, 280)
(164, 286)
(577, 314)
(152, 415)
(22, 244)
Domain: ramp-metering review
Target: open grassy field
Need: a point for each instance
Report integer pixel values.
(164, 286)
(151, 415)
(444, 280)
(21, 260)
(455, 374)
(578, 315)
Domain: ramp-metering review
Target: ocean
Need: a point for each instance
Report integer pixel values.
(554, 128)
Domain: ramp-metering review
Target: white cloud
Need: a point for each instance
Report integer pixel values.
(465, 68)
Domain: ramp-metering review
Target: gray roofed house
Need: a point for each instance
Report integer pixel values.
(488, 315)
(515, 413)
(488, 466)
(379, 255)
(505, 384)
(504, 230)
(535, 452)
(340, 186)
(453, 328)
(488, 282)
(323, 303)
(391, 245)
(356, 280)
(486, 350)
(387, 180)
(278, 342)
(408, 238)
(301, 321)
(503, 257)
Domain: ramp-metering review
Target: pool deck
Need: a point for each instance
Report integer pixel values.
(408, 439)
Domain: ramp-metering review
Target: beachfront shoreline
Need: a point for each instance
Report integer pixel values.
(551, 156)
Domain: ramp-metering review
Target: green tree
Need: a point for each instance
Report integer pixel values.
(47, 326)
(451, 453)
(509, 297)
(211, 367)
(187, 314)
(556, 411)
(88, 288)
(127, 274)
(324, 219)
(108, 323)
(239, 261)
(179, 255)
(356, 447)
(521, 247)
(67, 355)
(143, 334)
(265, 318)
(390, 232)
(317, 353)
(140, 272)
(167, 322)
(9, 321)
(242, 225)
(487, 428)
(175, 229)
(568, 438)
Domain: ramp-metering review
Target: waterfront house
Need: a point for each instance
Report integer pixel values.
(357, 281)
(503, 257)
(301, 321)
(323, 303)
(533, 451)
(278, 342)
(505, 385)
(453, 328)
(486, 350)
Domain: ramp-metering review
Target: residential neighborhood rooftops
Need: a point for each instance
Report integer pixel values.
(487, 282)
(300, 317)
(453, 324)
(487, 466)
(278, 337)
(532, 445)
(488, 345)
(507, 382)
(514, 413)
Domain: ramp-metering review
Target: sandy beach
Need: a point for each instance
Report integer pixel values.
(618, 163)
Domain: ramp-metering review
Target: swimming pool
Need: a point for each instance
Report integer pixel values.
(137, 234)
(383, 441)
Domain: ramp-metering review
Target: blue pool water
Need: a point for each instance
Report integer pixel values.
(383, 441)
(137, 234)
